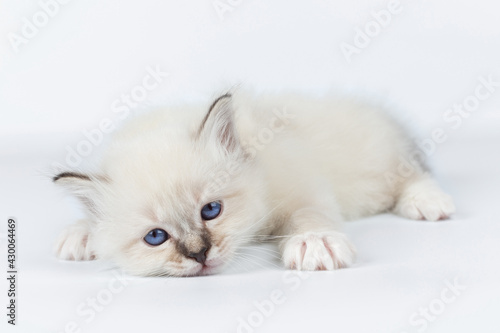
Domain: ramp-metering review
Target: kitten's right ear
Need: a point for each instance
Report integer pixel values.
(86, 188)
(218, 125)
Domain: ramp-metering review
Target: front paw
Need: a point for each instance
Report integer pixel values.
(318, 251)
(73, 243)
(430, 205)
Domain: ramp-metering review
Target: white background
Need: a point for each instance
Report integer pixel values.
(64, 80)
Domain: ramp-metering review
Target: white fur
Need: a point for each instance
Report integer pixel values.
(73, 243)
(285, 166)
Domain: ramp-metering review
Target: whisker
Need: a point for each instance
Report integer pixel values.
(257, 260)
(267, 251)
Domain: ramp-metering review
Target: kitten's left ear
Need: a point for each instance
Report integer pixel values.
(87, 188)
(218, 124)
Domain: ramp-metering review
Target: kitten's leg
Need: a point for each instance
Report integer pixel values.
(422, 199)
(74, 242)
(312, 240)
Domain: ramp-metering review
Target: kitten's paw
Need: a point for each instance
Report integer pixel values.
(318, 251)
(431, 205)
(73, 243)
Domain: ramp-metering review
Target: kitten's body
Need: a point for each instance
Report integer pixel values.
(288, 166)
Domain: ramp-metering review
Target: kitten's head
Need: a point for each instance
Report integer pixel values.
(172, 198)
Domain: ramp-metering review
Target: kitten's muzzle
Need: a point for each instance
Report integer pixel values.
(200, 256)
(195, 246)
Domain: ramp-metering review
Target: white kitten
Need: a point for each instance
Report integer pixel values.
(180, 190)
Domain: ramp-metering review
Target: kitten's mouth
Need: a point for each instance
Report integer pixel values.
(209, 267)
(206, 270)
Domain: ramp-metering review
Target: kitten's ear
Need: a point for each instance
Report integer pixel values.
(87, 188)
(218, 124)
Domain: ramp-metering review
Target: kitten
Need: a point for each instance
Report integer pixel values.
(179, 191)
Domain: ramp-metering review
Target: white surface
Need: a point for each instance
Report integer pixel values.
(65, 79)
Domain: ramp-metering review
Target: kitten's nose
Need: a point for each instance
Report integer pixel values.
(200, 256)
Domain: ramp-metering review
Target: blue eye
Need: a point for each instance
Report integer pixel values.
(156, 237)
(211, 210)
